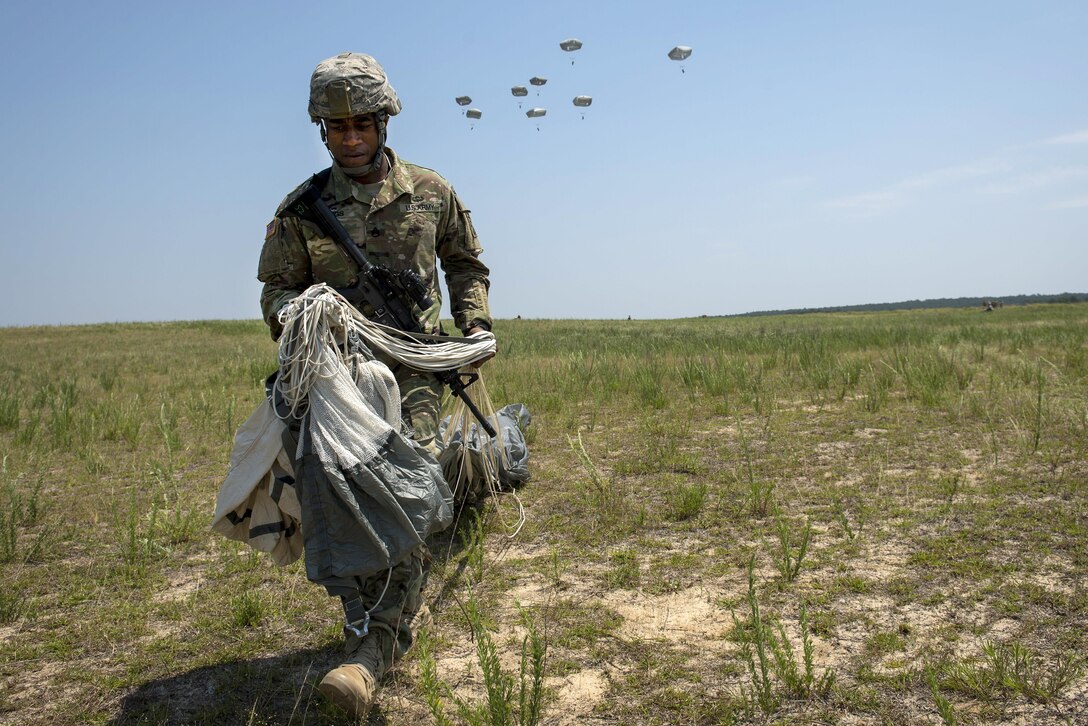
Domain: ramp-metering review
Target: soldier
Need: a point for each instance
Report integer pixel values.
(403, 216)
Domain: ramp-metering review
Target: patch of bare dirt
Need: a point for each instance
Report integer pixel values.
(7, 632)
(29, 693)
(578, 694)
(689, 615)
(882, 562)
(180, 584)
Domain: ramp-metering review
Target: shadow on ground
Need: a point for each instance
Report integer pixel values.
(280, 689)
(276, 690)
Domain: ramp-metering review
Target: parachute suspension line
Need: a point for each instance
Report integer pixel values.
(324, 334)
(320, 326)
(305, 349)
(462, 430)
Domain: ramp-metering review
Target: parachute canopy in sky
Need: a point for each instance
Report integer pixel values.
(463, 100)
(536, 112)
(582, 102)
(680, 52)
(570, 45)
(538, 81)
(519, 91)
(474, 113)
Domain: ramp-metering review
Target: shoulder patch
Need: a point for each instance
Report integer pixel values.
(270, 230)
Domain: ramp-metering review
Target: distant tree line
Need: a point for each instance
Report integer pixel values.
(938, 302)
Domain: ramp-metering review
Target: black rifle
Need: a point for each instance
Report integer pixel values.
(390, 294)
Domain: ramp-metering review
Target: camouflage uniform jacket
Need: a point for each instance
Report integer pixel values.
(414, 219)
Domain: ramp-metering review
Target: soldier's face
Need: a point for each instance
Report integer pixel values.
(352, 141)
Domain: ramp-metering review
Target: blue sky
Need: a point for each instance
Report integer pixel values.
(810, 154)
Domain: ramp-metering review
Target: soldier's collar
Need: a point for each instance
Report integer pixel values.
(398, 181)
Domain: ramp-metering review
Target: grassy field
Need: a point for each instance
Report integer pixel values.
(841, 518)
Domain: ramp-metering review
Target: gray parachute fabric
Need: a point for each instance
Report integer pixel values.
(363, 494)
(680, 53)
(471, 458)
(366, 502)
(368, 494)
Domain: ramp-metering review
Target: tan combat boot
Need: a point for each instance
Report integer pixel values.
(353, 684)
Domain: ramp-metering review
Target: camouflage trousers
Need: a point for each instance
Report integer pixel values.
(391, 597)
(421, 401)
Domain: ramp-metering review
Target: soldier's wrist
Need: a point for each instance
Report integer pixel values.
(477, 323)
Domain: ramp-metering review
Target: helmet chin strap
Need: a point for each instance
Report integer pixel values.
(380, 119)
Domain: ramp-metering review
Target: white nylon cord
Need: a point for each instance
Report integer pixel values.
(322, 334)
(462, 422)
(320, 323)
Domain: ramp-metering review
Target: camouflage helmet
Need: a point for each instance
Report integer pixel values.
(351, 84)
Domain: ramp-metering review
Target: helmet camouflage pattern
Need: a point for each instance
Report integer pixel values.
(351, 84)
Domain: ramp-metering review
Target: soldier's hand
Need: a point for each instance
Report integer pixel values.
(478, 329)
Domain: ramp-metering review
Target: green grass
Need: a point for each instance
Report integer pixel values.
(907, 491)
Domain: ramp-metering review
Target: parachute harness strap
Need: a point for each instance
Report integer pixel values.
(380, 118)
(357, 615)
